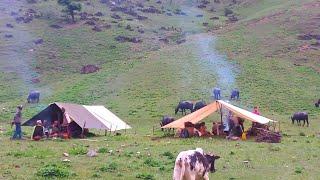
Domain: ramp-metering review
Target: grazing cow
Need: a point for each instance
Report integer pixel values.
(183, 105)
(317, 104)
(216, 93)
(199, 105)
(300, 116)
(235, 94)
(33, 97)
(166, 120)
(194, 164)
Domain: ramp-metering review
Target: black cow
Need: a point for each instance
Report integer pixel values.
(166, 120)
(199, 105)
(300, 116)
(34, 96)
(183, 105)
(235, 94)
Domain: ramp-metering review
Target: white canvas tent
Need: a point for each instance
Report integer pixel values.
(91, 117)
(213, 107)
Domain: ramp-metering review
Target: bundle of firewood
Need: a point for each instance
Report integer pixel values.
(264, 135)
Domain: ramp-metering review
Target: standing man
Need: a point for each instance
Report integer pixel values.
(257, 112)
(17, 122)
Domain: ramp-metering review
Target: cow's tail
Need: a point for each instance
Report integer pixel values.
(179, 170)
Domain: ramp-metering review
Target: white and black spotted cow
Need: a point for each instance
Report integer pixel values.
(194, 165)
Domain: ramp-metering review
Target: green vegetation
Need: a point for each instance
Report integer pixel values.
(70, 7)
(141, 82)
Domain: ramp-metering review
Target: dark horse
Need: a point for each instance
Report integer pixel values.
(183, 105)
(199, 105)
(33, 97)
(235, 94)
(166, 120)
(300, 116)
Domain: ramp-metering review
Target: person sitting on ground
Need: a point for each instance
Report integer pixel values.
(38, 131)
(189, 130)
(55, 131)
(201, 127)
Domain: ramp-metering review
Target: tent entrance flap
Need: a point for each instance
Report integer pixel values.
(213, 107)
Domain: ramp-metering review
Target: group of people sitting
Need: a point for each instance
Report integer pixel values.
(46, 130)
(197, 130)
(232, 127)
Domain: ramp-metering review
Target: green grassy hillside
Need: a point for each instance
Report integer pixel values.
(260, 53)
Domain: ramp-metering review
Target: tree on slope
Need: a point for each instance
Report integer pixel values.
(71, 7)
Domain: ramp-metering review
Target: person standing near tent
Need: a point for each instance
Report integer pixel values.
(257, 112)
(17, 122)
(65, 121)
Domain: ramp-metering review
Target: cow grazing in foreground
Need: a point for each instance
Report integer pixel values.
(194, 164)
(166, 120)
(199, 105)
(300, 116)
(235, 94)
(33, 97)
(183, 106)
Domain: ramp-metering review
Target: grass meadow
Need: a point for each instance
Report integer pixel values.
(141, 82)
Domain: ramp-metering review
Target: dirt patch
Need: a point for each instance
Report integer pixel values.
(123, 39)
(38, 41)
(8, 25)
(55, 26)
(90, 68)
(265, 19)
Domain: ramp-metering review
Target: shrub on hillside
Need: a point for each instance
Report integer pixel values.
(112, 167)
(145, 176)
(168, 154)
(78, 150)
(53, 171)
(227, 11)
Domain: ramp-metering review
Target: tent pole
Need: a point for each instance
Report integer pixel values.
(221, 114)
(83, 129)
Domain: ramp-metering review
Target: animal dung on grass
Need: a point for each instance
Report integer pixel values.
(9, 25)
(38, 41)
(90, 68)
(55, 26)
(128, 39)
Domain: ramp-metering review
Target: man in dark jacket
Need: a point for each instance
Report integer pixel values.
(17, 122)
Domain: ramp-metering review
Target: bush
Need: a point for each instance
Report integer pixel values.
(102, 150)
(227, 11)
(302, 134)
(145, 176)
(78, 150)
(53, 170)
(151, 162)
(168, 154)
(109, 167)
(298, 170)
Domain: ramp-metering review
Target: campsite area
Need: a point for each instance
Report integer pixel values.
(149, 61)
